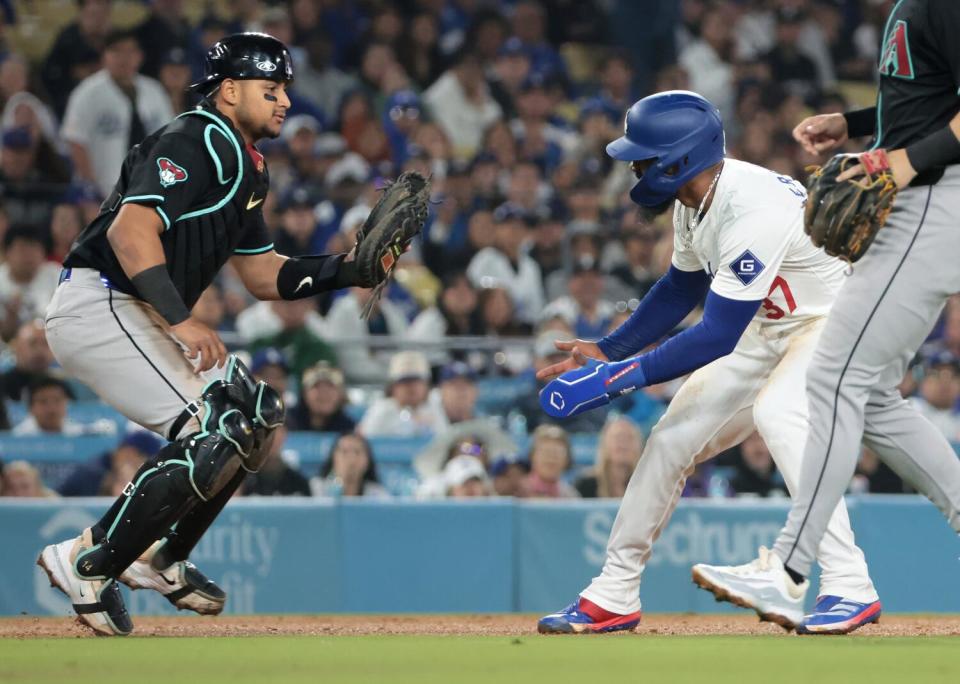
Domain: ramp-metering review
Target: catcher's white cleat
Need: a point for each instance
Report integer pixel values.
(761, 584)
(181, 583)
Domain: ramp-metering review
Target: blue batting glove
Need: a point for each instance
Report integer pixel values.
(590, 386)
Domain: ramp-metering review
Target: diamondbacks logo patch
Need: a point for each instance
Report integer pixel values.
(896, 60)
(746, 267)
(170, 172)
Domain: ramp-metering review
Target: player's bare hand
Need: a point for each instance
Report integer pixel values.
(821, 133)
(201, 344)
(580, 351)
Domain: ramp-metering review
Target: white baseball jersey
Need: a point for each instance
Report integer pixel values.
(752, 244)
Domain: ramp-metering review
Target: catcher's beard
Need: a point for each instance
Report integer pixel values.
(648, 214)
(259, 130)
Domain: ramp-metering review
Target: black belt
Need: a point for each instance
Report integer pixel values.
(66, 273)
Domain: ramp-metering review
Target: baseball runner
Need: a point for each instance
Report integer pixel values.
(189, 199)
(739, 241)
(886, 308)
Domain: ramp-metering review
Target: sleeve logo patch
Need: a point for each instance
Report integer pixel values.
(746, 267)
(170, 172)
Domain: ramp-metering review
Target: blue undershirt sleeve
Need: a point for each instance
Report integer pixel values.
(666, 304)
(716, 335)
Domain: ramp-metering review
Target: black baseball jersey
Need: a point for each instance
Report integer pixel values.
(919, 71)
(208, 189)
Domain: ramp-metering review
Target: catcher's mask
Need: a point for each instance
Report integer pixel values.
(245, 56)
(680, 132)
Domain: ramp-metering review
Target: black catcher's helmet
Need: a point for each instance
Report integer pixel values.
(245, 56)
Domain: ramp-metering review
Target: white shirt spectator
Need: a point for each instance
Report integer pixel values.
(71, 428)
(35, 295)
(385, 418)
(946, 421)
(98, 117)
(344, 322)
(710, 76)
(461, 119)
(491, 268)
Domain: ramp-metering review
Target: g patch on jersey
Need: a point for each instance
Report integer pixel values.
(170, 172)
(746, 267)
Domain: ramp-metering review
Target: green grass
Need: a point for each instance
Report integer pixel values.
(501, 660)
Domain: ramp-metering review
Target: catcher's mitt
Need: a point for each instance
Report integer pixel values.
(396, 219)
(845, 216)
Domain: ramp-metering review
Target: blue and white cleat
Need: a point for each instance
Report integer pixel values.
(837, 615)
(585, 617)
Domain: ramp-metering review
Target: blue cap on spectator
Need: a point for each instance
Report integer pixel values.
(299, 197)
(269, 356)
(500, 464)
(18, 138)
(402, 101)
(456, 370)
(508, 211)
(534, 80)
(145, 442)
(598, 105)
(941, 357)
(513, 47)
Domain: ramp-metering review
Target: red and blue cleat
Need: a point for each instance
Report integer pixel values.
(585, 617)
(837, 615)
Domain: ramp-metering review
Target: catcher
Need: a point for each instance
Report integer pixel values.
(190, 199)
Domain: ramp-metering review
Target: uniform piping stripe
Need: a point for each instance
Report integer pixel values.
(258, 250)
(237, 180)
(137, 347)
(846, 366)
(163, 215)
(216, 158)
(135, 198)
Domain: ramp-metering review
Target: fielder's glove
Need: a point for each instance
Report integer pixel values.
(396, 219)
(845, 216)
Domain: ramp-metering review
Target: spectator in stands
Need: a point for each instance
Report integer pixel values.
(455, 313)
(550, 458)
(509, 72)
(210, 308)
(111, 111)
(174, 76)
(359, 362)
(507, 265)
(458, 392)
(20, 479)
(47, 400)
(756, 473)
(32, 175)
(292, 326)
(350, 470)
(27, 279)
(276, 477)
(32, 360)
(618, 452)
(298, 225)
(529, 25)
(104, 474)
(404, 411)
(75, 54)
(460, 102)
(638, 274)
(789, 67)
(708, 59)
(66, 222)
(498, 313)
(583, 308)
(464, 477)
(616, 81)
(940, 393)
(165, 28)
(319, 76)
(508, 473)
(359, 124)
(419, 52)
(323, 398)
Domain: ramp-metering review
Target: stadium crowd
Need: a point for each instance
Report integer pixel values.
(532, 237)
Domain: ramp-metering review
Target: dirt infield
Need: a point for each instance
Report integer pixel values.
(492, 625)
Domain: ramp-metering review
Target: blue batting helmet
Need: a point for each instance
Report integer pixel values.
(681, 130)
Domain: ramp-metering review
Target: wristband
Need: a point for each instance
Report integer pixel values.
(861, 122)
(306, 276)
(938, 149)
(156, 289)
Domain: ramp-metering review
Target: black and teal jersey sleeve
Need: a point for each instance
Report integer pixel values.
(174, 177)
(256, 236)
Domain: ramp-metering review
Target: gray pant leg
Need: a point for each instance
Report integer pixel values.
(914, 449)
(882, 315)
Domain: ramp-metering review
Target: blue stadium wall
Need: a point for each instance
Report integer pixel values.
(296, 556)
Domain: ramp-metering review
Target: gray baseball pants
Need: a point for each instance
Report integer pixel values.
(883, 314)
